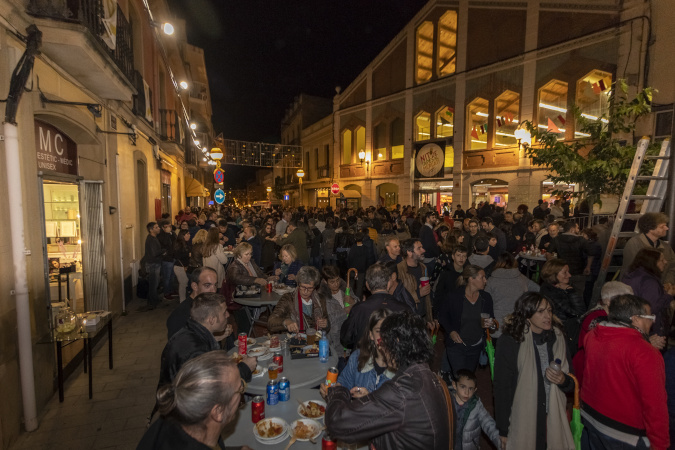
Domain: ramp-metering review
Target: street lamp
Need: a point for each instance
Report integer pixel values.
(523, 136)
(362, 156)
(269, 191)
(300, 173)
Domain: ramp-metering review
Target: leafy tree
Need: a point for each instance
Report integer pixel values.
(600, 161)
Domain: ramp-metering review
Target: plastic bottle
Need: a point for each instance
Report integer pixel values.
(323, 348)
(556, 365)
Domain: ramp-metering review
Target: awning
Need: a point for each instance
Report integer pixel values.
(194, 188)
(350, 193)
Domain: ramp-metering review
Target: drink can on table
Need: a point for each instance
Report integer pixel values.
(258, 409)
(272, 392)
(278, 359)
(331, 377)
(242, 343)
(269, 286)
(284, 389)
(327, 443)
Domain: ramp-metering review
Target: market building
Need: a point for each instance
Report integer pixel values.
(433, 117)
(105, 147)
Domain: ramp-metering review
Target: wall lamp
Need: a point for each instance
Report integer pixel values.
(362, 156)
(523, 137)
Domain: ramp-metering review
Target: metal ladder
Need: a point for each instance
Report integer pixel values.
(652, 202)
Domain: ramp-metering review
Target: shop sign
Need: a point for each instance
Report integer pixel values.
(335, 189)
(55, 151)
(430, 159)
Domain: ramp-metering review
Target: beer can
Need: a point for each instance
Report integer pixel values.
(257, 409)
(323, 350)
(242, 343)
(272, 392)
(284, 389)
(269, 286)
(331, 377)
(327, 443)
(278, 359)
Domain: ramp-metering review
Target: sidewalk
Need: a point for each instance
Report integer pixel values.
(123, 397)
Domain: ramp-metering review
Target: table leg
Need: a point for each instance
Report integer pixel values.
(250, 317)
(110, 345)
(84, 355)
(59, 369)
(90, 367)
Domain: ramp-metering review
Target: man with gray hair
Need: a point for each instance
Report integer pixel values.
(197, 405)
(378, 282)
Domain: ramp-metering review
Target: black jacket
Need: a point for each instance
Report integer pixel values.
(166, 434)
(256, 249)
(166, 240)
(571, 249)
(408, 412)
(506, 380)
(450, 311)
(566, 303)
(357, 322)
(431, 249)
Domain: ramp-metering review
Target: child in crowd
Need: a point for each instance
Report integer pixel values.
(470, 415)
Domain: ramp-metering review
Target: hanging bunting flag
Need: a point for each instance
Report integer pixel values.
(499, 122)
(596, 88)
(552, 127)
(603, 88)
(561, 119)
(474, 133)
(483, 129)
(509, 117)
(450, 112)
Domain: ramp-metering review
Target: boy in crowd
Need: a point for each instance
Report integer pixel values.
(470, 415)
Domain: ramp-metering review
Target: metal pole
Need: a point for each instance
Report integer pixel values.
(670, 202)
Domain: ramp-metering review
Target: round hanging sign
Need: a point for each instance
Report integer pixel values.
(218, 176)
(335, 189)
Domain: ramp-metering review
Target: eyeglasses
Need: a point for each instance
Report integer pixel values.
(306, 288)
(651, 317)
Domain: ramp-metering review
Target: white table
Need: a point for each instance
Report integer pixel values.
(240, 430)
(538, 259)
(253, 306)
(302, 373)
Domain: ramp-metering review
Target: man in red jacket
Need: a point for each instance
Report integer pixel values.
(624, 395)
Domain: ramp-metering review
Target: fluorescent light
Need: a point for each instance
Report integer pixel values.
(424, 134)
(444, 124)
(478, 142)
(482, 114)
(592, 117)
(582, 134)
(562, 130)
(551, 107)
(499, 133)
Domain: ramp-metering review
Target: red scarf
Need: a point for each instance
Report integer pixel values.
(300, 313)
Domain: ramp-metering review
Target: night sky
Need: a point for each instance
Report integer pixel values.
(261, 54)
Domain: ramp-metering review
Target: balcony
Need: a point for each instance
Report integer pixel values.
(75, 36)
(199, 91)
(379, 168)
(490, 159)
(191, 157)
(169, 132)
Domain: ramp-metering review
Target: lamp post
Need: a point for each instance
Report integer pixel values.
(300, 173)
(362, 156)
(269, 191)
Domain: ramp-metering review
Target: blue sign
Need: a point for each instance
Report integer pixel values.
(219, 196)
(287, 197)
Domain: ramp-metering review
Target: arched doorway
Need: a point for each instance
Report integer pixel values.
(490, 190)
(350, 196)
(387, 195)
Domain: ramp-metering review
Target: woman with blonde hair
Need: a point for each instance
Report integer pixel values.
(196, 259)
(286, 269)
(213, 254)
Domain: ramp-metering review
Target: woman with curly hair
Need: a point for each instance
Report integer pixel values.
(530, 396)
(411, 411)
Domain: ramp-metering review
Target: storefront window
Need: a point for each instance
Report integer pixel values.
(507, 107)
(477, 124)
(445, 118)
(397, 138)
(380, 142)
(593, 97)
(423, 126)
(424, 52)
(347, 147)
(447, 43)
(552, 114)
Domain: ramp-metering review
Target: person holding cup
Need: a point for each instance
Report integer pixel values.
(415, 277)
(465, 314)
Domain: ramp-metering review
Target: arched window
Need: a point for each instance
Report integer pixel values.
(507, 109)
(347, 147)
(552, 114)
(593, 97)
(380, 141)
(445, 118)
(424, 51)
(423, 126)
(477, 125)
(360, 133)
(397, 138)
(447, 44)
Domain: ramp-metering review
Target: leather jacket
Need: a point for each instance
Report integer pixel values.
(409, 412)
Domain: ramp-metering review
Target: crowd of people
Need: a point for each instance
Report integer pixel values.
(387, 285)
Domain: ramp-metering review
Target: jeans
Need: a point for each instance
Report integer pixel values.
(182, 278)
(167, 276)
(153, 283)
(316, 261)
(464, 356)
(592, 439)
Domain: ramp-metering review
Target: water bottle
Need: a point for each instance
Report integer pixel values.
(323, 349)
(556, 365)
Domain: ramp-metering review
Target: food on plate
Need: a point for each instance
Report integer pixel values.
(250, 341)
(302, 431)
(237, 358)
(312, 410)
(310, 350)
(256, 371)
(268, 429)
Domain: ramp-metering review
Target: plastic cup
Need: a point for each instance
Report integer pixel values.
(273, 371)
(311, 336)
(424, 281)
(485, 320)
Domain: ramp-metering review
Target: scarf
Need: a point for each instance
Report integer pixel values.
(249, 268)
(522, 435)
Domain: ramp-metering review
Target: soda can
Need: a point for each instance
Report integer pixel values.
(331, 377)
(269, 286)
(278, 359)
(284, 389)
(272, 392)
(257, 409)
(242, 343)
(327, 443)
(323, 350)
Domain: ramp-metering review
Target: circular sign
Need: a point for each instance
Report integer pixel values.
(218, 176)
(429, 160)
(335, 189)
(219, 196)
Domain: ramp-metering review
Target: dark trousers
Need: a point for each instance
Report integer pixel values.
(464, 357)
(167, 276)
(153, 283)
(592, 439)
